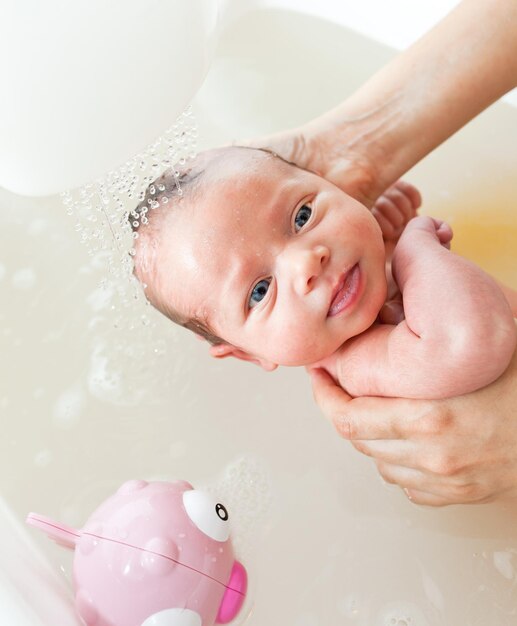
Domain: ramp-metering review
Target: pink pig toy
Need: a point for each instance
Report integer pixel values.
(154, 554)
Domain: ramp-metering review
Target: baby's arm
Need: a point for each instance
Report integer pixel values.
(458, 334)
(510, 295)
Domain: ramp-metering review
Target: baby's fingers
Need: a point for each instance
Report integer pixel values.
(444, 233)
(405, 198)
(390, 218)
(411, 195)
(395, 207)
(389, 231)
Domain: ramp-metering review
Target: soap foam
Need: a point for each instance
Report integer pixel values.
(245, 488)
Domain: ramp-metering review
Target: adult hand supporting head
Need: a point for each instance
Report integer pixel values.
(454, 451)
(411, 105)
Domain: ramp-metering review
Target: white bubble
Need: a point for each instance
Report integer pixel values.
(100, 298)
(245, 488)
(103, 383)
(401, 614)
(24, 279)
(43, 458)
(348, 606)
(503, 564)
(69, 406)
(38, 393)
(108, 382)
(433, 592)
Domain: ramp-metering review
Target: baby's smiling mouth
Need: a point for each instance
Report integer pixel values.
(345, 292)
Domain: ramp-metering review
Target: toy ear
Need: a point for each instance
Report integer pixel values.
(61, 534)
(223, 350)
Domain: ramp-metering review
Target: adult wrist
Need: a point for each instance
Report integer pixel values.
(356, 150)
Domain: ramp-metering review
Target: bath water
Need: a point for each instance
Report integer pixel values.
(485, 231)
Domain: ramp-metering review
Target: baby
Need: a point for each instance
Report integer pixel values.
(273, 264)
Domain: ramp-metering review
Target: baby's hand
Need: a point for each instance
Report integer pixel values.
(440, 229)
(392, 311)
(395, 208)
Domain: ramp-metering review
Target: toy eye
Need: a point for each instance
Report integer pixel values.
(209, 515)
(222, 511)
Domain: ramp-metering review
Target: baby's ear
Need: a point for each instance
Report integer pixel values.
(223, 350)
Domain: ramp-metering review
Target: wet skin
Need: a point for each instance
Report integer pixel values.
(281, 263)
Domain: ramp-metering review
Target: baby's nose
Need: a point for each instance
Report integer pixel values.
(307, 265)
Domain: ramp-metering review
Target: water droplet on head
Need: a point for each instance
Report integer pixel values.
(104, 215)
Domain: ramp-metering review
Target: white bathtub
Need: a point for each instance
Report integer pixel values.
(337, 545)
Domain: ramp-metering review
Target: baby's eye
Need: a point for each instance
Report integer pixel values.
(259, 291)
(302, 217)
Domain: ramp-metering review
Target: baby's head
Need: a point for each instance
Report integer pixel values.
(267, 261)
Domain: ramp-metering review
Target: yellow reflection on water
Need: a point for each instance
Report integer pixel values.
(485, 231)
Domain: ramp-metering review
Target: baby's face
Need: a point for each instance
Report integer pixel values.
(281, 263)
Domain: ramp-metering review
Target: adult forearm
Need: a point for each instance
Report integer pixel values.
(428, 92)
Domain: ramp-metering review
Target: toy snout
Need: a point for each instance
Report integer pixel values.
(60, 533)
(234, 594)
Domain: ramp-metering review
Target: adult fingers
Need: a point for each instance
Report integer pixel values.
(394, 451)
(457, 489)
(435, 499)
(406, 477)
(426, 499)
(331, 398)
(366, 417)
(415, 484)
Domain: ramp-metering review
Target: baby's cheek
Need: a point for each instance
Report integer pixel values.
(300, 345)
(380, 290)
(375, 295)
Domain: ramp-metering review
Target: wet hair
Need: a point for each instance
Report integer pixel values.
(162, 197)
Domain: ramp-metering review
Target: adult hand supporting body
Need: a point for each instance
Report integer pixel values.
(461, 449)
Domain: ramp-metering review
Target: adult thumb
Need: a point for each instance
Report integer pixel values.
(332, 399)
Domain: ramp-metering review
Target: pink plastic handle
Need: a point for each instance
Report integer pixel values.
(61, 534)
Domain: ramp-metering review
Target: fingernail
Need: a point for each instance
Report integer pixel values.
(408, 494)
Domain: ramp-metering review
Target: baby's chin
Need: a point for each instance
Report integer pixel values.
(307, 352)
(304, 358)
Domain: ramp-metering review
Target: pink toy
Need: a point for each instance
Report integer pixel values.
(154, 554)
